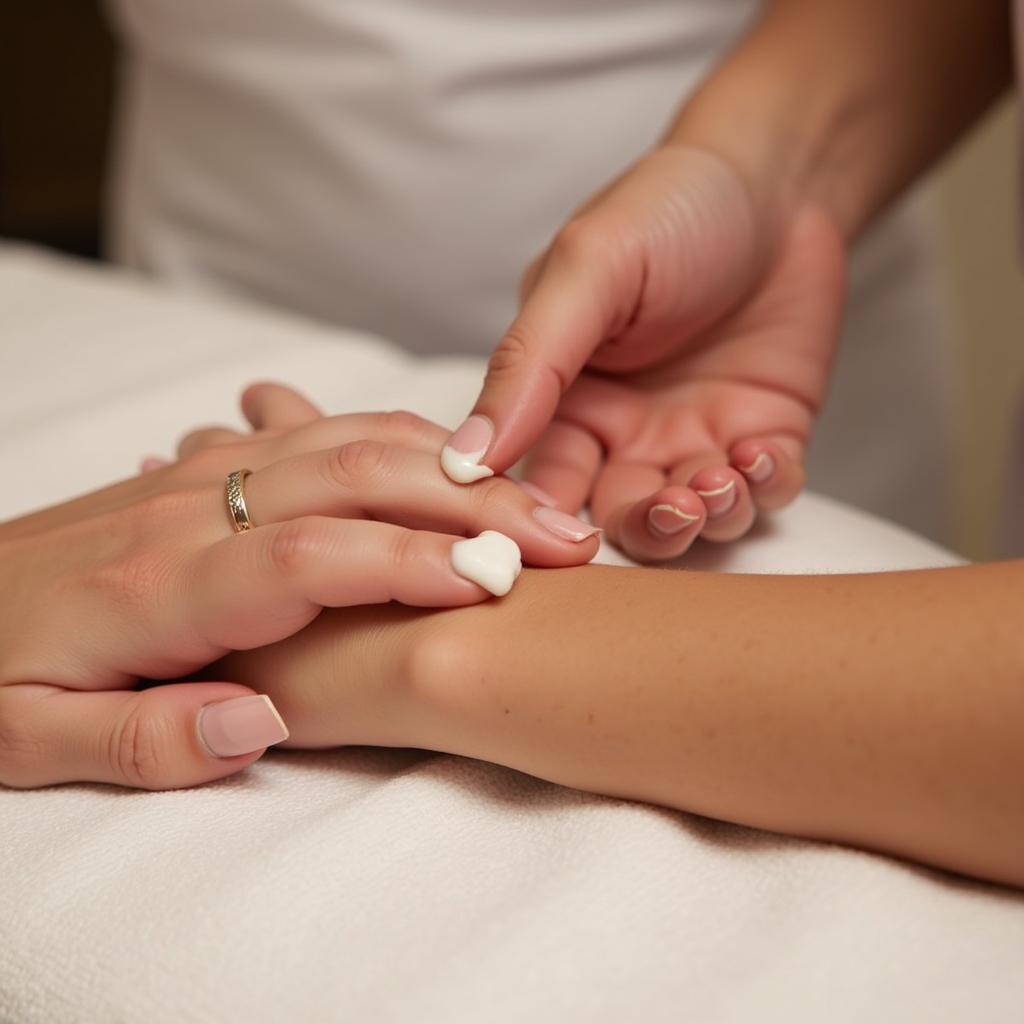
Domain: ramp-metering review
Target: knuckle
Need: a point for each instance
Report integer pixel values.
(495, 498)
(358, 465)
(403, 424)
(511, 354)
(293, 546)
(577, 242)
(196, 440)
(137, 747)
(210, 462)
(402, 549)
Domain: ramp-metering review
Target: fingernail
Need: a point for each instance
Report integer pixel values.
(667, 519)
(720, 500)
(563, 525)
(152, 462)
(240, 726)
(760, 469)
(538, 493)
(460, 457)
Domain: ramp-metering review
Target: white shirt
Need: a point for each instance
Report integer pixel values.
(389, 164)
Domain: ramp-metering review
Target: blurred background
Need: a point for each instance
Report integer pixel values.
(54, 130)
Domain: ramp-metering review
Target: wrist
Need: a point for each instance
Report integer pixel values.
(782, 110)
(471, 672)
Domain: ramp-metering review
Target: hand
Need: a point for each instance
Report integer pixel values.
(348, 678)
(146, 580)
(706, 324)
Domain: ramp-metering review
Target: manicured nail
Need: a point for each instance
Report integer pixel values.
(460, 457)
(720, 500)
(492, 561)
(538, 493)
(667, 519)
(152, 462)
(240, 726)
(563, 525)
(760, 469)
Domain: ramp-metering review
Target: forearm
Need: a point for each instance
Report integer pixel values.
(882, 711)
(844, 102)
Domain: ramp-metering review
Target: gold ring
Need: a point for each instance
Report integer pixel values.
(236, 500)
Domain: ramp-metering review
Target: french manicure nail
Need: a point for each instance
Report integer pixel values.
(667, 519)
(460, 457)
(760, 469)
(538, 493)
(720, 500)
(240, 726)
(563, 525)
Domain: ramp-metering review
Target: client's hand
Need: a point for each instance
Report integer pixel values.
(703, 317)
(349, 678)
(147, 580)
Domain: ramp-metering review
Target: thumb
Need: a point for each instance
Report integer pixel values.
(582, 295)
(166, 737)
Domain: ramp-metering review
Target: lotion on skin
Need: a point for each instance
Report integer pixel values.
(491, 560)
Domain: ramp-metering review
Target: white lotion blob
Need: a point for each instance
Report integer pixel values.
(464, 467)
(492, 560)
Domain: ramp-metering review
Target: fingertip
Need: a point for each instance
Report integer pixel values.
(660, 527)
(148, 739)
(273, 405)
(463, 453)
(666, 519)
(775, 477)
(241, 726)
(251, 395)
(720, 488)
(726, 496)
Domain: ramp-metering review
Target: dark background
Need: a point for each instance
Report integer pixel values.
(58, 67)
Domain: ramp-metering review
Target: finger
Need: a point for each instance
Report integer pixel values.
(621, 484)
(398, 428)
(151, 462)
(166, 737)
(659, 526)
(773, 470)
(207, 437)
(401, 428)
(269, 405)
(531, 276)
(371, 480)
(570, 311)
(726, 498)
(260, 586)
(564, 464)
(650, 520)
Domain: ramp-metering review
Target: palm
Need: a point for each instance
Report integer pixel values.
(760, 372)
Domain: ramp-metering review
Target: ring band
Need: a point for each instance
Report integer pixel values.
(236, 500)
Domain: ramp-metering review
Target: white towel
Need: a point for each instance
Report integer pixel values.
(377, 885)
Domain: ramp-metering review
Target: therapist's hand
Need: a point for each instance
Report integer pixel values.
(670, 356)
(146, 580)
